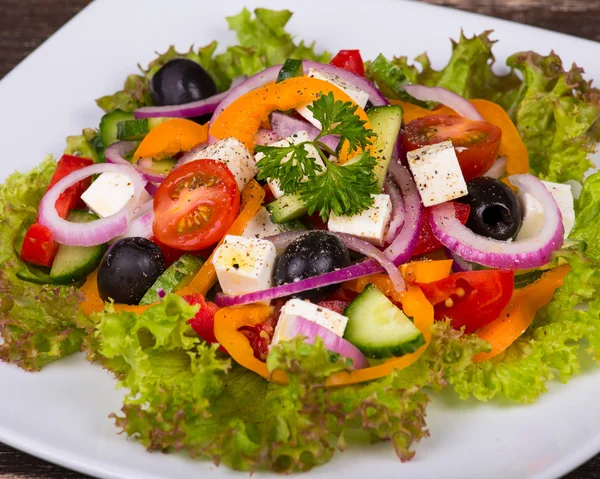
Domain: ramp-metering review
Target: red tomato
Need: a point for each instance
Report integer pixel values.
(336, 305)
(260, 335)
(69, 198)
(427, 241)
(476, 142)
(39, 247)
(349, 60)
(170, 255)
(471, 299)
(204, 321)
(195, 205)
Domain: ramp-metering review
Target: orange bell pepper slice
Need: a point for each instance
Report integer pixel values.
(252, 197)
(414, 303)
(511, 144)
(520, 312)
(171, 137)
(244, 116)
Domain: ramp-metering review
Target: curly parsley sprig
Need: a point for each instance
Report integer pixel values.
(342, 189)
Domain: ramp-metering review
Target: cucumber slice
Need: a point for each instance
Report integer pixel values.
(292, 225)
(290, 69)
(378, 328)
(137, 129)
(174, 277)
(73, 263)
(287, 208)
(386, 122)
(108, 126)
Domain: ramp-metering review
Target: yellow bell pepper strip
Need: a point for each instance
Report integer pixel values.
(244, 116)
(520, 312)
(511, 144)
(171, 137)
(252, 197)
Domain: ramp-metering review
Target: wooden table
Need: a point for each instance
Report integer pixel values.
(25, 24)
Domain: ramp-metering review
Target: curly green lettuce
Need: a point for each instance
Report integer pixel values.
(38, 323)
(183, 394)
(263, 42)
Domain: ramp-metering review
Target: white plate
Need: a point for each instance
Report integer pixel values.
(61, 413)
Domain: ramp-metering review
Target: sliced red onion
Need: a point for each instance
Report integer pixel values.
(398, 213)
(522, 254)
(95, 232)
(266, 137)
(498, 169)
(151, 188)
(287, 125)
(140, 224)
(270, 75)
(191, 155)
(445, 97)
(459, 265)
(187, 110)
(299, 326)
(400, 251)
(283, 240)
(115, 154)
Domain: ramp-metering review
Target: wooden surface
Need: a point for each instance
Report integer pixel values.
(25, 24)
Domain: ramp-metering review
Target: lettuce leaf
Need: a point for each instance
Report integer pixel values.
(587, 217)
(183, 394)
(263, 42)
(548, 349)
(36, 322)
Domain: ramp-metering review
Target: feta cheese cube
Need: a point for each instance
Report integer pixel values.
(261, 225)
(295, 139)
(235, 156)
(437, 173)
(327, 318)
(370, 225)
(358, 96)
(533, 214)
(244, 265)
(110, 193)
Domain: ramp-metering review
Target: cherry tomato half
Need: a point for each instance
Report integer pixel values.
(476, 142)
(195, 205)
(471, 299)
(349, 60)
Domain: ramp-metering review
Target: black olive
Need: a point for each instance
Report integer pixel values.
(495, 210)
(128, 269)
(181, 81)
(312, 254)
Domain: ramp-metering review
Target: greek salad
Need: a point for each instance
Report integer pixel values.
(271, 246)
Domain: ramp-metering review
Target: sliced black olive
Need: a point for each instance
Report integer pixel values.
(181, 81)
(128, 269)
(495, 210)
(312, 254)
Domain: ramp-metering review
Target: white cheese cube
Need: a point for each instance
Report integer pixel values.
(261, 225)
(235, 156)
(533, 214)
(110, 193)
(334, 322)
(437, 173)
(295, 139)
(370, 225)
(244, 265)
(358, 96)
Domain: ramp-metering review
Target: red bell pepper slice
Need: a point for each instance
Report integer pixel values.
(471, 299)
(39, 247)
(349, 60)
(427, 241)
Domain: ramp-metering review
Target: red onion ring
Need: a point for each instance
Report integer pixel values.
(95, 232)
(498, 169)
(187, 110)
(191, 155)
(398, 213)
(299, 326)
(266, 137)
(286, 126)
(140, 224)
(398, 252)
(445, 97)
(115, 154)
(528, 253)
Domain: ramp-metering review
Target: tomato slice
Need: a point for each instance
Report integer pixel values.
(427, 240)
(349, 60)
(476, 142)
(471, 299)
(195, 205)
